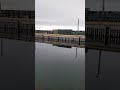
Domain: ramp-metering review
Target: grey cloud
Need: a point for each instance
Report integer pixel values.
(64, 12)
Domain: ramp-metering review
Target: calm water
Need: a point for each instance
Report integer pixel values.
(59, 68)
(102, 70)
(17, 66)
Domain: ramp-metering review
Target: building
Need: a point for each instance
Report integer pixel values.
(17, 24)
(78, 32)
(44, 31)
(62, 31)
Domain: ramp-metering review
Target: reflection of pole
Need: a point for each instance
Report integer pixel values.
(99, 64)
(1, 47)
(76, 53)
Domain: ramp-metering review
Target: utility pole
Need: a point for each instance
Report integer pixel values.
(103, 6)
(79, 41)
(78, 24)
(0, 5)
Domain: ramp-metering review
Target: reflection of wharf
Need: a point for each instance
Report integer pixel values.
(68, 40)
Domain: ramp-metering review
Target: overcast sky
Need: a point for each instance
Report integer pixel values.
(52, 14)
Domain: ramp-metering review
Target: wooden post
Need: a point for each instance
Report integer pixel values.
(73, 40)
(42, 38)
(58, 39)
(48, 38)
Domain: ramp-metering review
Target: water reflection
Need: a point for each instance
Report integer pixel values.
(102, 49)
(17, 49)
(104, 65)
(99, 61)
(59, 68)
(17, 67)
(76, 53)
(64, 46)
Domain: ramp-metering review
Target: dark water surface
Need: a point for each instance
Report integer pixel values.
(17, 66)
(56, 67)
(59, 68)
(102, 70)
